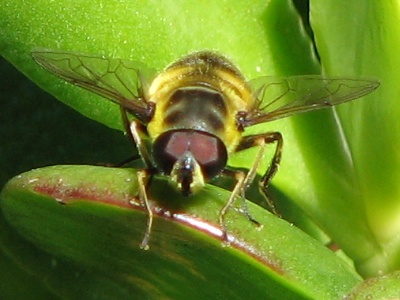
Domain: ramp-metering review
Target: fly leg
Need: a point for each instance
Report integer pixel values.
(142, 176)
(244, 181)
(261, 140)
(240, 178)
(134, 129)
(272, 169)
(135, 136)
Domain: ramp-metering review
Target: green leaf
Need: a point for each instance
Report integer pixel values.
(17, 284)
(340, 169)
(90, 244)
(378, 288)
(362, 38)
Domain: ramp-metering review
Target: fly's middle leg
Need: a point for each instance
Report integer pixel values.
(262, 140)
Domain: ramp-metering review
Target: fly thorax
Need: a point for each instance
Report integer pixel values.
(196, 108)
(190, 157)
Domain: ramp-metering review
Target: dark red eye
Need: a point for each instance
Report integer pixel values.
(208, 150)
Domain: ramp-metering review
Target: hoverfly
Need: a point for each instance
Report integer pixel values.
(195, 113)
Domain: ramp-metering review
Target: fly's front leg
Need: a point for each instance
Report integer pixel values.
(240, 178)
(136, 133)
(261, 140)
(243, 181)
(127, 130)
(239, 189)
(142, 177)
(134, 129)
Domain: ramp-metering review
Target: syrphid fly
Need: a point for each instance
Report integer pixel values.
(195, 114)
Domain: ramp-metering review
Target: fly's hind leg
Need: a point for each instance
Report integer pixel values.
(244, 181)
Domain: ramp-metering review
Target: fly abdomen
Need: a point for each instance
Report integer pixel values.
(195, 108)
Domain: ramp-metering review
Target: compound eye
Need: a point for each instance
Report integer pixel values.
(162, 153)
(208, 150)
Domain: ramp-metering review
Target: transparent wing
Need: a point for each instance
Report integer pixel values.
(283, 97)
(120, 81)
